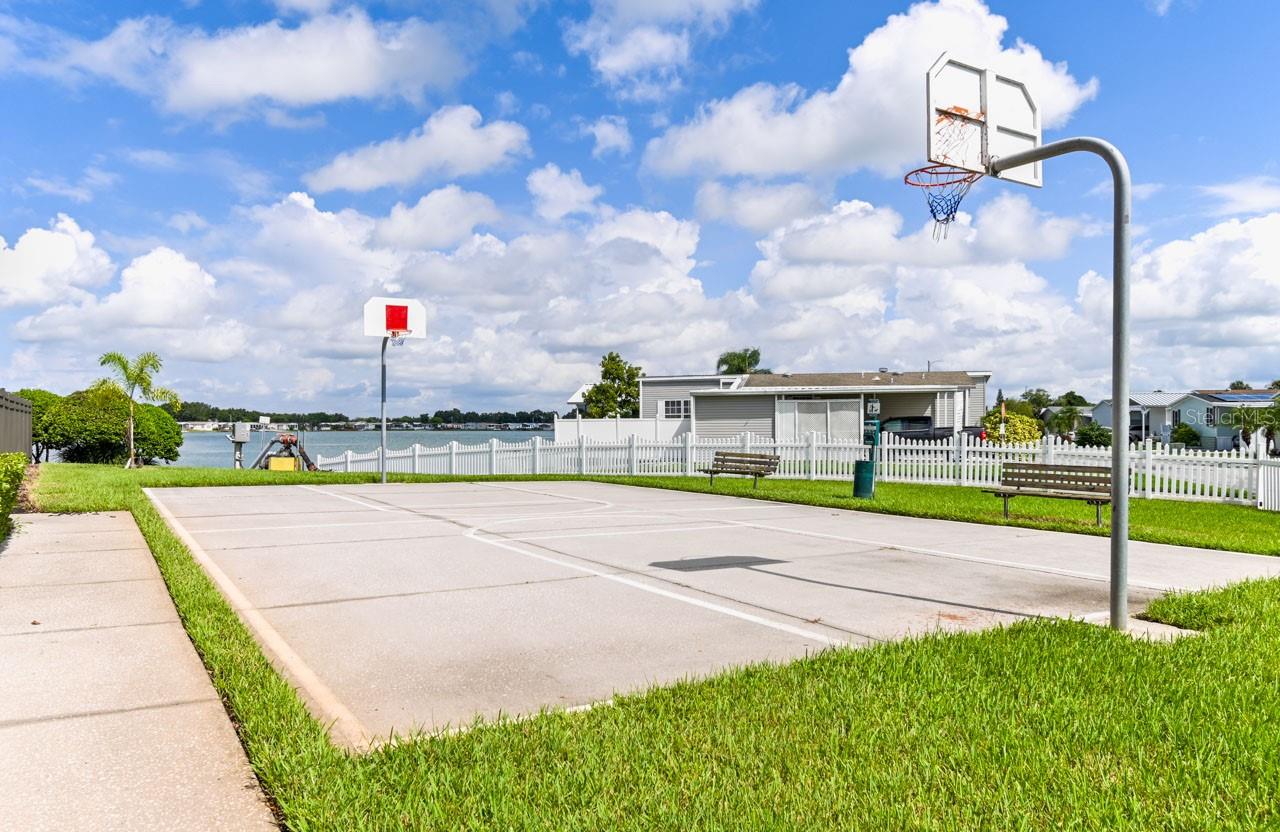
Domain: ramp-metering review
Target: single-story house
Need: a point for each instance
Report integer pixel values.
(1204, 411)
(790, 405)
(1149, 414)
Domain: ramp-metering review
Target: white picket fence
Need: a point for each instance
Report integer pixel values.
(1155, 471)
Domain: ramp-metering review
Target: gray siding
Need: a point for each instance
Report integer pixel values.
(944, 410)
(977, 406)
(652, 392)
(719, 417)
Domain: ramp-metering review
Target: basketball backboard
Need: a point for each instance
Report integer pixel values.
(395, 317)
(976, 115)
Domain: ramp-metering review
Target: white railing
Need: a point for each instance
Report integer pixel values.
(1155, 471)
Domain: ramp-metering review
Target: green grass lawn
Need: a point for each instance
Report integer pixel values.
(1043, 725)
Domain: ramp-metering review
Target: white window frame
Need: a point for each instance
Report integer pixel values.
(686, 408)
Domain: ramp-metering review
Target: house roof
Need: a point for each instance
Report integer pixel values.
(939, 378)
(1245, 398)
(1156, 398)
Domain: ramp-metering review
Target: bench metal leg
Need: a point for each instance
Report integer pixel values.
(1098, 508)
(1006, 506)
(757, 481)
(713, 480)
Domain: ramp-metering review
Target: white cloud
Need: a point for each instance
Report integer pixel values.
(758, 208)
(60, 187)
(611, 135)
(46, 265)
(557, 194)
(187, 221)
(451, 143)
(309, 7)
(442, 218)
(640, 48)
(873, 118)
(322, 59)
(1252, 195)
(1140, 190)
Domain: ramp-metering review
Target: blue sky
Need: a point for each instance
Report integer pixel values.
(225, 184)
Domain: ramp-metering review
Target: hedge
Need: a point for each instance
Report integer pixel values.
(12, 468)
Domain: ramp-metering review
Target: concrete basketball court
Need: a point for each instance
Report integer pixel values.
(401, 607)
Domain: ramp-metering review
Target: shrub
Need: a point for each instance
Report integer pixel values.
(12, 467)
(1093, 435)
(42, 401)
(1186, 435)
(92, 426)
(1018, 429)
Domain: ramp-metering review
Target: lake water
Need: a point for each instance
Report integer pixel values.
(213, 450)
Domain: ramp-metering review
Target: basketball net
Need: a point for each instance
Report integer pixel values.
(397, 336)
(945, 186)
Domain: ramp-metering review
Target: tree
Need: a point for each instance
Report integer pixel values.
(1016, 406)
(1184, 434)
(92, 426)
(1065, 420)
(134, 379)
(1275, 385)
(1038, 397)
(1093, 435)
(42, 401)
(999, 398)
(1238, 385)
(1249, 420)
(740, 362)
(618, 391)
(1071, 399)
(1018, 429)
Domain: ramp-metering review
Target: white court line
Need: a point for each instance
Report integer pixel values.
(474, 532)
(617, 532)
(1069, 573)
(919, 550)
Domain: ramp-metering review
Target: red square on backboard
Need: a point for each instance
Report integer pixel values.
(397, 317)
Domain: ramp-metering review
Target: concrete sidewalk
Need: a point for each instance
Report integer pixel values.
(107, 717)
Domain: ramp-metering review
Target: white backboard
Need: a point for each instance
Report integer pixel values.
(382, 315)
(976, 115)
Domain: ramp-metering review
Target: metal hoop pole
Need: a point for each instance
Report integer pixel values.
(1119, 350)
(382, 461)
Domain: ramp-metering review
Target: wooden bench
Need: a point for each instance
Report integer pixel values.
(1090, 483)
(741, 462)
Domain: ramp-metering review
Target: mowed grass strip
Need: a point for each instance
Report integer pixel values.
(1046, 724)
(1206, 525)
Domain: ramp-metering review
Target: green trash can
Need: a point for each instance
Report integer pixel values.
(864, 479)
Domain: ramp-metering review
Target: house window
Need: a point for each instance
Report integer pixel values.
(1177, 417)
(1211, 416)
(676, 408)
(726, 383)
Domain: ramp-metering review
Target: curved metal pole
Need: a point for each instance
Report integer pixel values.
(382, 457)
(1119, 350)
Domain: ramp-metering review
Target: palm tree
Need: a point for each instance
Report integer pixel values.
(740, 362)
(133, 380)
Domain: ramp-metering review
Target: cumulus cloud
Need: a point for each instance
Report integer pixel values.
(451, 143)
(611, 135)
(49, 264)
(873, 118)
(756, 207)
(639, 48)
(442, 218)
(557, 194)
(324, 58)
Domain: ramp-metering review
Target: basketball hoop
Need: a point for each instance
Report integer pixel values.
(397, 336)
(945, 186)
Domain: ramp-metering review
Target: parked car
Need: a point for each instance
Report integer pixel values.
(921, 427)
